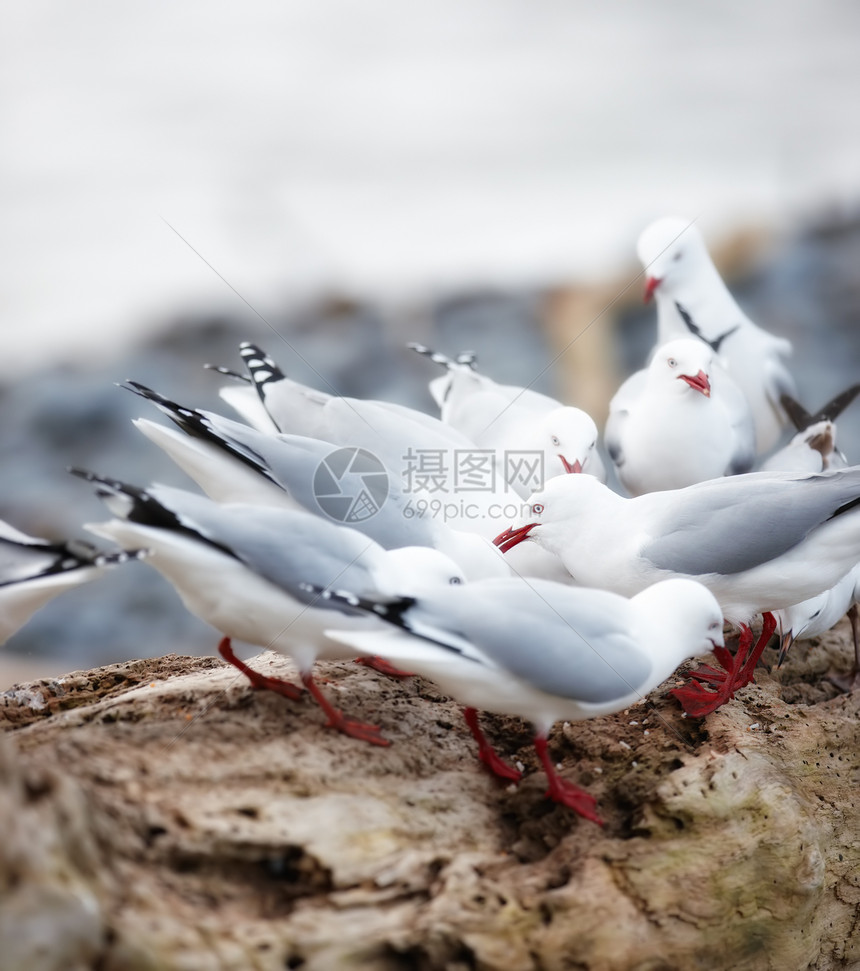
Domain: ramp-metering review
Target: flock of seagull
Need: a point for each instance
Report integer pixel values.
(482, 548)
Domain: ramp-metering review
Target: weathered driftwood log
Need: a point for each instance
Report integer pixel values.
(161, 815)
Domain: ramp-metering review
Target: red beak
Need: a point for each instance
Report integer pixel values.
(511, 537)
(699, 383)
(651, 284)
(576, 467)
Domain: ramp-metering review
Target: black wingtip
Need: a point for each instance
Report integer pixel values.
(123, 556)
(228, 373)
(466, 358)
(135, 387)
(390, 609)
(834, 408)
(800, 417)
(107, 485)
(261, 367)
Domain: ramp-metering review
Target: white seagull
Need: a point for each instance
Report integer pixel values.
(678, 421)
(475, 404)
(240, 568)
(542, 651)
(515, 421)
(692, 298)
(759, 542)
(292, 407)
(34, 571)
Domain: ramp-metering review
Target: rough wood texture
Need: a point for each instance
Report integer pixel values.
(161, 815)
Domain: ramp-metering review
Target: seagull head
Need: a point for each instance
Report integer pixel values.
(551, 515)
(568, 438)
(792, 622)
(685, 616)
(685, 360)
(417, 569)
(669, 249)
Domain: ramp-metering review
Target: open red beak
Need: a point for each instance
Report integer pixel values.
(698, 382)
(576, 467)
(651, 284)
(511, 537)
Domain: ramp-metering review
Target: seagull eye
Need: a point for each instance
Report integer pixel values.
(676, 257)
(537, 508)
(454, 581)
(672, 362)
(555, 440)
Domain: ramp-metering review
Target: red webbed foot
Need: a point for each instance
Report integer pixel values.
(383, 666)
(580, 801)
(260, 682)
(363, 731)
(698, 700)
(486, 753)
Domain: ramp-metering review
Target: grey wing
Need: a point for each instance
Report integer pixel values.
(300, 466)
(619, 409)
(286, 547)
(733, 524)
(570, 643)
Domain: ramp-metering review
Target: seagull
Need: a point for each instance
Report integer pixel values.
(813, 448)
(475, 404)
(541, 651)
(232, 462)
(817, 615)
(34, 571)
(291, 406)
(692, 298)
(513, 420)
(679, 421)
(760, 542)
(564, 438)
(240, 569)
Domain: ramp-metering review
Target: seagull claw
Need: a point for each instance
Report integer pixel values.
(697, 700)
(580, 801)
(363, 731)
(259, 682)
(498, 766)
(383, 666)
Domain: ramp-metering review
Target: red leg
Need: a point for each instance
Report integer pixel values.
(259, 681)
(486, 752)
(697, 700)
(746, 672)
(355, 729)
(383, 666)
(566, 793)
